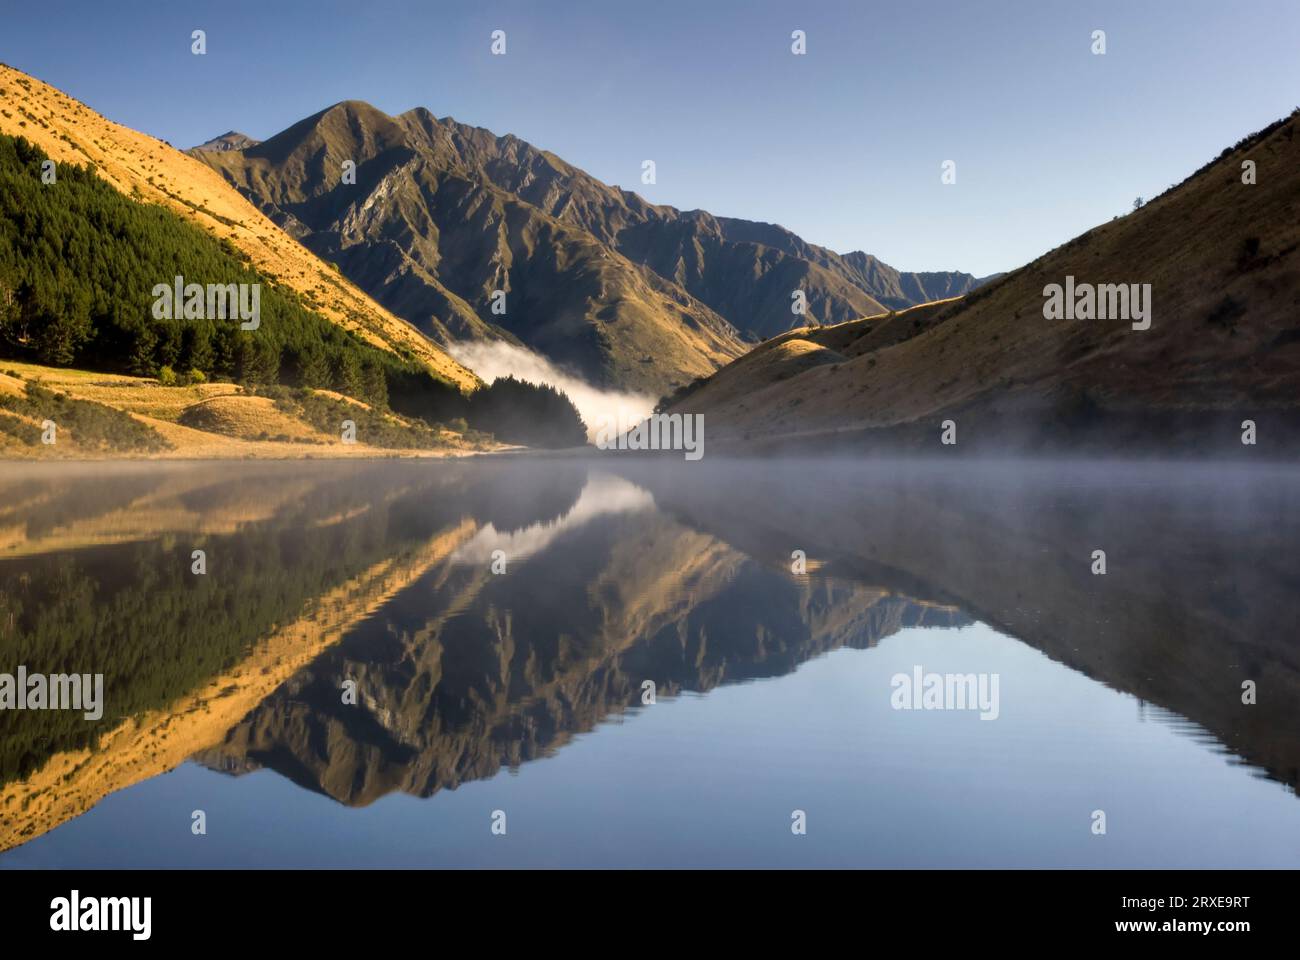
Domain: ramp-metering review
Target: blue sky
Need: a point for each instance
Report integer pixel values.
(842, 145)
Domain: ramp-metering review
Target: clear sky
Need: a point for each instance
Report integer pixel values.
(842, 145)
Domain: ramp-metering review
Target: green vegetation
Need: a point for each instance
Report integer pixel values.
(515, 411)
(512, 410)
(25, 431)
(78, 265)
(373, 427)
(93, 426)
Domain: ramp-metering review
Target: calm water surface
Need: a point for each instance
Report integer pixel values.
(354, 681)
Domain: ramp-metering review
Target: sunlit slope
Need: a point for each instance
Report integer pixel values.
(211, 421)
(146, 168)
(1224, 339)
(432, 236)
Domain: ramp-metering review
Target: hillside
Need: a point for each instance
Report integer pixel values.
(150, 170)
(1223, 343)
(623, 292)
(119, 416)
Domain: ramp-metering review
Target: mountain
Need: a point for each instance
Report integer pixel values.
(432, 241)
(146, 169)
(1223, 343)
(231, 140)
(898, 290)
(624, 292)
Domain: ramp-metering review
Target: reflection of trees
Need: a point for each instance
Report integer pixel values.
(133, 610)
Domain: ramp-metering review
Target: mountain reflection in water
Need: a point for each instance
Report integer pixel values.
(324, 579)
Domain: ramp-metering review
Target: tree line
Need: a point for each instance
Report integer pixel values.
(78, 264)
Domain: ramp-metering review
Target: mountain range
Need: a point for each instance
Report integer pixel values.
(94, 216)
(148, 170)
(419, 234)
(431, 217)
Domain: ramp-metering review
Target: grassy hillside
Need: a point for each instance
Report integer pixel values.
(79, 262)
(1223, 345)
(141, 166)
(122, 416)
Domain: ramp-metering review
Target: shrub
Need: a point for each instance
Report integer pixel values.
(373, 428)
(93, 426)
(681, 393)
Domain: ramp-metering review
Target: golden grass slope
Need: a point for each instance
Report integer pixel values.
(201, 422)
(1222, 260)
(151, 170)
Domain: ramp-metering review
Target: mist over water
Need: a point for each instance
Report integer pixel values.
(596, 406)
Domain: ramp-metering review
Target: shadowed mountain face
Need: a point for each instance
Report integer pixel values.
(623, 292)
(1219, 256)
(354, 634)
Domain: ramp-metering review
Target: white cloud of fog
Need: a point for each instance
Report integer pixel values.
(496, 359)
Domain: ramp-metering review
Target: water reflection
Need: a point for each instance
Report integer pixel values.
(351, 636)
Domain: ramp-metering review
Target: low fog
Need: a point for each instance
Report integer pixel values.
(492, 360)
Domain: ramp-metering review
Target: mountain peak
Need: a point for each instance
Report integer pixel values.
(230, 140)
(626, 293)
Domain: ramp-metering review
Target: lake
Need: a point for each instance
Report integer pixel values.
(649, 663)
